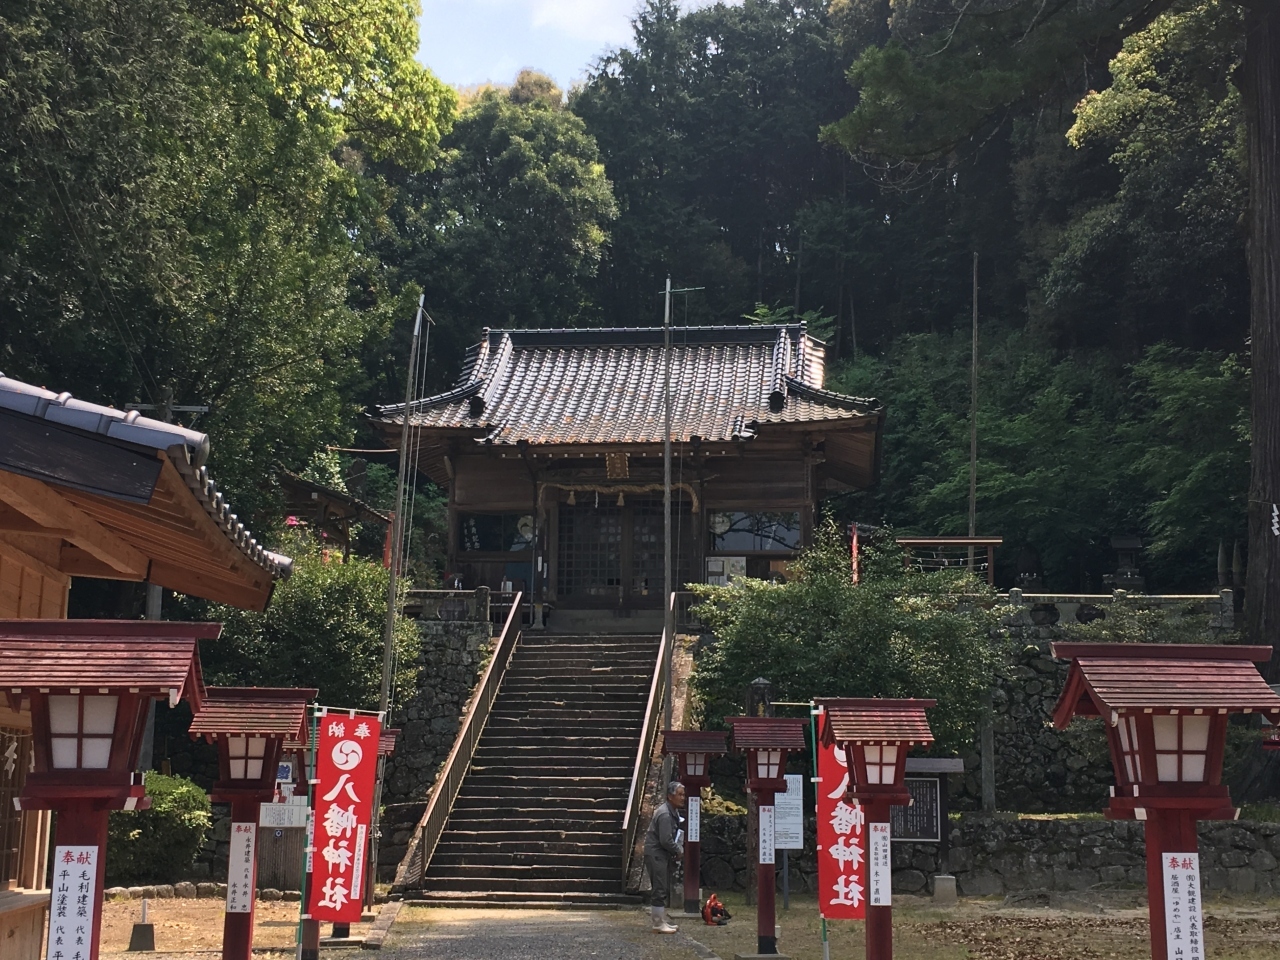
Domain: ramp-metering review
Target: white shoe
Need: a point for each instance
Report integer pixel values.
(666, 927)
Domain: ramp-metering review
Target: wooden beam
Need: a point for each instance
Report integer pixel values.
(11, 521)
(24, 559)
(41, 503)
(82, 563)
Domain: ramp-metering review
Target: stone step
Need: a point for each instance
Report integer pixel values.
(513, 900)
(513, 881)
(584, 844)
(450, 861)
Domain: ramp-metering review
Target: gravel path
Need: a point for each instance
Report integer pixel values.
(453, 934)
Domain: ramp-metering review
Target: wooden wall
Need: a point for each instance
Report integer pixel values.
(492, 484)
(31, 587)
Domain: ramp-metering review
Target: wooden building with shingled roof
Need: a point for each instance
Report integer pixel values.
(550, 448)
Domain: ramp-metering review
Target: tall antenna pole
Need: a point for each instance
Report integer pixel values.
(668, 615)
(973, 418)
(398, 519)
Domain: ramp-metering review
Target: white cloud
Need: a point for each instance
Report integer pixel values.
(600, 21)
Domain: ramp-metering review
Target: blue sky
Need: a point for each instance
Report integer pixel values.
(473, 41)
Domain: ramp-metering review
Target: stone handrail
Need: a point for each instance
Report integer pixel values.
(659, 687)
(449, 780)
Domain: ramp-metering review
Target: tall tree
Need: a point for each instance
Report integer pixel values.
(948, 72)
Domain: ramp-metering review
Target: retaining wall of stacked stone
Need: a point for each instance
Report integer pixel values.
(993, 856)
(453, 656)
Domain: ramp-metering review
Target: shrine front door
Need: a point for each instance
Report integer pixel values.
(611, 556)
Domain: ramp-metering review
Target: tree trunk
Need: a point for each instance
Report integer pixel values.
(1261, 88)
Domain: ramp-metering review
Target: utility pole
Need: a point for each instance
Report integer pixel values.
(973, 418)
(398, 522)
(668, 614)
(164, 410)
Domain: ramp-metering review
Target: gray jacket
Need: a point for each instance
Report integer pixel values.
(663, 839)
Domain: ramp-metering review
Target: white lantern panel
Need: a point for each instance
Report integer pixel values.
(697, 764)
(889, 754)
(237, 769)
(873, 754)
(1167, 767)
(1166, 733)
(1193, 767)
(63, 750)
(886, 773)
(1195, 734)
(237, 746)
(257, 747)
(64, 714)
(873, 773)
(255, 770)
(100, 715)
(95, 753)
(1137, 757)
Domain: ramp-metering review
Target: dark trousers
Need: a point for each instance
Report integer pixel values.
(659, 867)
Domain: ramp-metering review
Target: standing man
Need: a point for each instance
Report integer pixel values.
(663, 849)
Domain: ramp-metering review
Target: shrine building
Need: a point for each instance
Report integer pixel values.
(550, 447)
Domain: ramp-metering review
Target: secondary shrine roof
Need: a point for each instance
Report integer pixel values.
(1133, 677)
(605, 386)
(253, 711)
(694, 741)
(768, 733)
(873, 720)
(131, 495)
(91, 656)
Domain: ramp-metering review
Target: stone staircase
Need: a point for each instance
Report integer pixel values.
(538, 819)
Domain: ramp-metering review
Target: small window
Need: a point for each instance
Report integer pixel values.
(81, 729)
(495, 532)
(754, 532)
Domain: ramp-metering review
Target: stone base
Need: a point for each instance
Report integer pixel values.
(944, 890)
(143, 938)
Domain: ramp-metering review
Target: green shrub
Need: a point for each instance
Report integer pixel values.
(158, 845)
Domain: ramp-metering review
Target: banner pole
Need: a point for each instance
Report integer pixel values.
(813, 744)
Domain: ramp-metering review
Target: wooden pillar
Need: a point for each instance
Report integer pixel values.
(766, 910)
(237, 928)
(1165, 832)
(83, 823)
(693, 851)
(879, 918)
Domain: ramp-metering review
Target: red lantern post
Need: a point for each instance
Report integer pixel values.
(90, 684)
(766, 741)
(252, 726)
(1165, 707)
(694, 750)
(875, 736)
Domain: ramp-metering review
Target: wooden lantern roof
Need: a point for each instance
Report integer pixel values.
(150, 657)
(88, 490)
(875, 720)
(768, 733)
(254, 712)
(1117, 678)
(694, 741)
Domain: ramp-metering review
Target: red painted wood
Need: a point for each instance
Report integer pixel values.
(237, 928)
(84, 823)
(768, 733)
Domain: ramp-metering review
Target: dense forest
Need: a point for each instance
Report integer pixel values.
(215, 202)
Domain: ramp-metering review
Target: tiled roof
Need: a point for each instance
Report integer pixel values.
(187, 449)
(872, 720)
(155, 657)
(1133, 677)
(768, 733)
(253, 711)
(605, 386)
(694, 741)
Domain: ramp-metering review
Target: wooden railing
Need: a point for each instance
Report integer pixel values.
(659, 689)
(449, 780)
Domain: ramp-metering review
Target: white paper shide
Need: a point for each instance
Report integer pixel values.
(74, 903)
(881, 878)
(1183, 920)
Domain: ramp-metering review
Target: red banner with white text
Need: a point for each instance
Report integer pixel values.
(346, 768)
(842, 841)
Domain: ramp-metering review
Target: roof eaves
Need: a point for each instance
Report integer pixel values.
(867, 405)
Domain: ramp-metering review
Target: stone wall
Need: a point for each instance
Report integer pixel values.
(996, 856)
(454, 653)
(1039, 769)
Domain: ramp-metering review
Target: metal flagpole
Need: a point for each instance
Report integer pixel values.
(668, 612)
